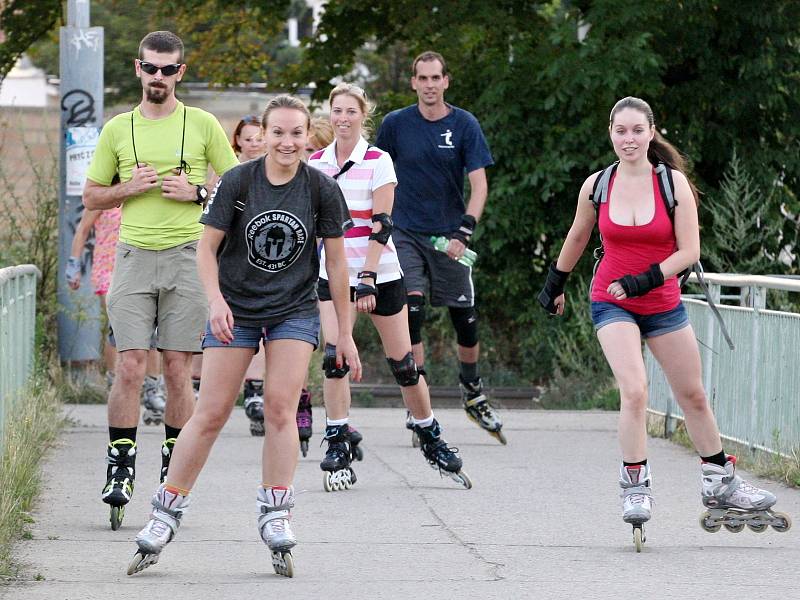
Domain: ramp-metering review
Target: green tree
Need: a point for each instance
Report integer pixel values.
(22, 23)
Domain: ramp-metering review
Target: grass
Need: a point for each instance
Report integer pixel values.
(31, 428)
(784, 467)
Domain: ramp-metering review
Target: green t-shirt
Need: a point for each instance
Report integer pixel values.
(150, 220)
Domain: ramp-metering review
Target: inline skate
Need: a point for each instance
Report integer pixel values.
(441, 456)
(304, 420)
(274, 515)
(254, 405)
(479, 410)
(120, 475)
(168, 509)
(355, 441)
(734, 503)
(637, 500)
(154, 400)
(410, 427)
(339, 475)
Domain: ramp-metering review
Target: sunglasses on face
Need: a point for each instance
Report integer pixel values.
(166, 70)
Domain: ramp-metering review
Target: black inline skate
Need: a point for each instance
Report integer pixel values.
(440, 456)
(304, 420)
(479, 410)
(254, 405)
(339, 475)
(166, 455)
(120, 475)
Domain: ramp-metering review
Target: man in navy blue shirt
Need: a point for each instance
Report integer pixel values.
(433, 145)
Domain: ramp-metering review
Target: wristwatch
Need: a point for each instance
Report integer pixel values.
(202, 195)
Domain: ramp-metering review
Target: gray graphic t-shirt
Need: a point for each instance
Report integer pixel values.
(268, 262)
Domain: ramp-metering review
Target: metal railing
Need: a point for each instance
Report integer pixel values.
(17, 330)
(754, 389)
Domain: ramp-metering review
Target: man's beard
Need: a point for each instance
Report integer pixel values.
(156, 95)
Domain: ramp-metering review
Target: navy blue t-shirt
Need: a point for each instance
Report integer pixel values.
(431, 159)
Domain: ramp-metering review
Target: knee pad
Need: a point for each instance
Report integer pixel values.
(465, 322)
(329, 364)
(404, 370)
(416, 317)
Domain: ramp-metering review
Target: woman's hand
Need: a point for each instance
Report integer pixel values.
(366, 295)
(559, 303)
(615, 289)
(346, 351)
(220, 318)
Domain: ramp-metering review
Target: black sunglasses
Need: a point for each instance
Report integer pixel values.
(166, 70)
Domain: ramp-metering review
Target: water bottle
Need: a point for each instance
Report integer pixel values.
(467, 259)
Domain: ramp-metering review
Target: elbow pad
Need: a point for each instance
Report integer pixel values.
(382, 236)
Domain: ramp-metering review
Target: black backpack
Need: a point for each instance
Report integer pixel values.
(666, 186)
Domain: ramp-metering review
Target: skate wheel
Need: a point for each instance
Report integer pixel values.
(414, 440)
(785, 526)
(326, 482)
(638, 538)
(463, 479)
(141, 560)
(283, 563)
(734, 528)
(758, 527)
(358, 452)
(708, 523)
(117, 514)
(304, 447)
(500, 437)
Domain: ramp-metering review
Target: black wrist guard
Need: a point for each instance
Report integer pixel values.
(364, 289)
(553, 288)
(639, 285)
(382, 236)
(465, 231)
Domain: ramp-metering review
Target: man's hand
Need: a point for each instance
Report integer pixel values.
(143, 178)
(346, 350)
(177, 187)
(455, 249)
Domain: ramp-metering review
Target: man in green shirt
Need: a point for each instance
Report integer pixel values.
(160, 152)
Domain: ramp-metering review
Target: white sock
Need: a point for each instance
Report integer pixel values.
(336, 422)
(427, 422)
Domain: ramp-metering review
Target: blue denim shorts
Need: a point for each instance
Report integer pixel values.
(605, 313)
(250, 336)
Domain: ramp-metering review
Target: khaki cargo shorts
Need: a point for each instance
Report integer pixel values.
(157, 289)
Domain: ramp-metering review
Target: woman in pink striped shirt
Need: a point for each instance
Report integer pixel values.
(366, 177)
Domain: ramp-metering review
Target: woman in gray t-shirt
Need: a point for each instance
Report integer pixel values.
(258, 264)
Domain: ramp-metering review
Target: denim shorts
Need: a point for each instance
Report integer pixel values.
(605, 313)
(250, 336)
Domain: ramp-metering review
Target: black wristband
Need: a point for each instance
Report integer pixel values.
(367, 275)
(363, 289)
(639, 285)
(553, 288)
(464, 233)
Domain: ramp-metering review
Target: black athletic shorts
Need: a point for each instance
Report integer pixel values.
(391, 296)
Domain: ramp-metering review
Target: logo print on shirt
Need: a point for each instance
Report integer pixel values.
(275, 240)
(448, 139)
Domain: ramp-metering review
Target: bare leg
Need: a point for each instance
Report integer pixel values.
(180, 395)
(622, 346)
(287, 365)
(335, 392)
(223, 371)
(123, 399)
(679, 357)
(396, 341)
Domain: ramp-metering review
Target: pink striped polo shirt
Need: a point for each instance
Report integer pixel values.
(372, 169)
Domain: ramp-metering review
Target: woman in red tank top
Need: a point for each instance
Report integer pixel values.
(635, 295)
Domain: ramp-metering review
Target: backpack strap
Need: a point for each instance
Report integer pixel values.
(313, 180)
(701, 281)
(245, 179)
(600, 188)
(667, 188)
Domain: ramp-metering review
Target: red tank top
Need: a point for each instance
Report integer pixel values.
(631, 249)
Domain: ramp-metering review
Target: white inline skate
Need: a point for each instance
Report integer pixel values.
(168, 509)
(274, 513)
(637, 500)
(734, 503)
(154, 400)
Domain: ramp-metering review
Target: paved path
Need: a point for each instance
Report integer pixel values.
(541, 522)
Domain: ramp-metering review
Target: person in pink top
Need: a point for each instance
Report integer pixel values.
(634, 295)
(367, 179)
